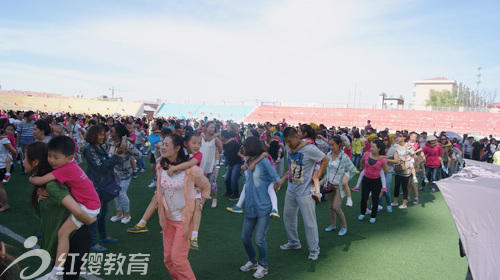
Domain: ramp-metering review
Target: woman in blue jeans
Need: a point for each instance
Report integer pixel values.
(100, 171)
(257, 207)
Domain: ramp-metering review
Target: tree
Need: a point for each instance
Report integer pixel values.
(443, 98)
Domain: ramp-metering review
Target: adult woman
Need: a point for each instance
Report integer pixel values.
(5, 148)
(392, 158)
(176, 200)
(401, 178)
(338, 166)
(53, 206)
(41, 131)
(123, 169)
(372, 163)
(258, 206)
(434, 160)
(100, 172)
(210, 148)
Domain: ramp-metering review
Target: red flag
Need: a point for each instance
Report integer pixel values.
(107, 108)
(89, 108)
(231, 115)
(211, 113)
(44, 105)
(69, 107)
(15, 104)
(189, 112)
(202, 113)
(218, 115)
(123, 110)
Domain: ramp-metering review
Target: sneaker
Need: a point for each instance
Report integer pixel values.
(361, 217)
(394, 204)
(433, 190)
(342, 231)
(389, 209)
(415, 201)
(372, 220)
(233, 198)
(152, 185)
(137, 229)
(421, 189)
(355, 189)
(226, 195)
(330, 228)
(415, 180)
(368, 211)
(402, 207)
(126, 221)
(234, 209)
(6, 178)
(316, 197)
(193, 243)
(116, 218)
(135, 175)
(99, 249)
(380, 208)
(249, 266)
(313, 255)
(274, 214)
(426, 180)
(214, 203)
(142, 170)
(349, 202)
(288, 246)
(261, 272)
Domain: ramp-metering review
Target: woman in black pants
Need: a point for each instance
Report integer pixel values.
(401, 178)
(372, 163)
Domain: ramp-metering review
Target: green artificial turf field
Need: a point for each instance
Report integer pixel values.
(420, 242)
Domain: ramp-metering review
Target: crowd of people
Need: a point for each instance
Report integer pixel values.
(185, 157)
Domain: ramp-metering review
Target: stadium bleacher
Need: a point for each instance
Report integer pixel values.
(71, 105)
(412, 120)
(223, 112)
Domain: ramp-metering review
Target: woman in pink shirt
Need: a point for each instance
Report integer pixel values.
(176, 205)
(372, 163)
(434, 160)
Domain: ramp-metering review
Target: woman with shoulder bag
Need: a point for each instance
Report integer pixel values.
(403, 170)
(100, 171)
(339, 164)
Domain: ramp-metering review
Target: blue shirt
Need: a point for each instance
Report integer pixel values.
(153, 140)
(257, 200)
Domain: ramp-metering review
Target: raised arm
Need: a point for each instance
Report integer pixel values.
(42, 180)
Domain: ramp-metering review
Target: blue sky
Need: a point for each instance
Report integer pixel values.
(289, 51)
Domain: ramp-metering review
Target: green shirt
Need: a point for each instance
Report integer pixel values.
(52, 215)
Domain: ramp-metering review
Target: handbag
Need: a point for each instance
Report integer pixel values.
(330, 187)
(400, 167)
(110, 191)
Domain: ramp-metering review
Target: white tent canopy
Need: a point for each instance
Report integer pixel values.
(473, 196)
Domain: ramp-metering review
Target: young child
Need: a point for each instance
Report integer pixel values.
(9, 133)
(61, 152)
(193, 144)
(250, 163)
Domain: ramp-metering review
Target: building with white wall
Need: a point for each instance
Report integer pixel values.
(421, 90)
